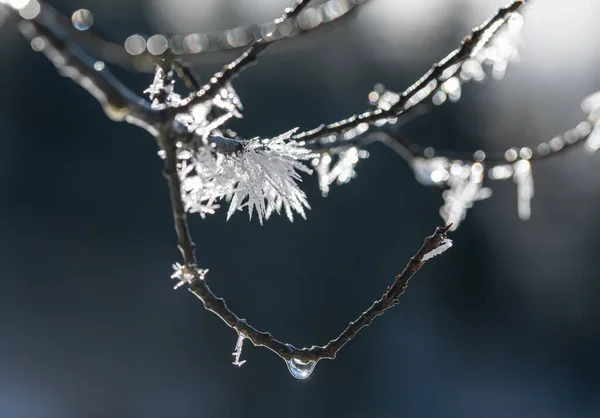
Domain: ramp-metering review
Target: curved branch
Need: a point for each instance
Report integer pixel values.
(199, 287)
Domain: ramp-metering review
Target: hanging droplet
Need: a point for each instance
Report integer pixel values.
(82, 19)
(300, 369)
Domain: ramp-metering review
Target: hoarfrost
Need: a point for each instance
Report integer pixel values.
(447, 243)
(262, 177)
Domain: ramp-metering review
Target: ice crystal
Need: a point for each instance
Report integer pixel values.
(431, 171)
(496, 49)
(262, 177)
(258, 174)
(465, 183)
(342, 171)
(444, 245)
(524, 179)
(202, 118)
(238, 351)
(157, 86)
(186, 275)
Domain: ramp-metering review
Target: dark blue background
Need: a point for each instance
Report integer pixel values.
(505, 324)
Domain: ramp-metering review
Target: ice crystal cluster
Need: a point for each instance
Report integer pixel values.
(263, 177)
(237, 353)
(504, 39)
(185, 275)
(260, 175)
(338, 167)
(496, 50)
(463, 182)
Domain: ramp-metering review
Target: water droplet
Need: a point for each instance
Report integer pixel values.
(82, 19)
(510, 154)
(300, 369)
(38, 44)
(157, 44)
(195, 42)
(526, 153)
(30, 10)
(99, 65)
(135, 44)
(479, 155)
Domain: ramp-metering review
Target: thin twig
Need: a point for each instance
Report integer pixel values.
(231, 70)
(468, 46)
(409, 150)
(118, 102)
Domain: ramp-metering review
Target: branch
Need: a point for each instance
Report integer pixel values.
(414, 94)
(231, 70)
(199, 287)
(216, 41)
(118, 102)
(409, 150)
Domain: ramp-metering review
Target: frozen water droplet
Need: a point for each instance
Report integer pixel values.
(300, 369)
(82, 19)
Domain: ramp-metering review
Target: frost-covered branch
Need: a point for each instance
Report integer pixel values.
(119, 103)
(221, 79)
(299, 357)
(427, 84)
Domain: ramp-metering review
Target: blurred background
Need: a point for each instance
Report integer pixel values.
(504, 324)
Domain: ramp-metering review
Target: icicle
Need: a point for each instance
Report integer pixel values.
(524, 180)
(342, 171)
(238, 351)
(323, 167)
(157, 85)
(465, 188)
